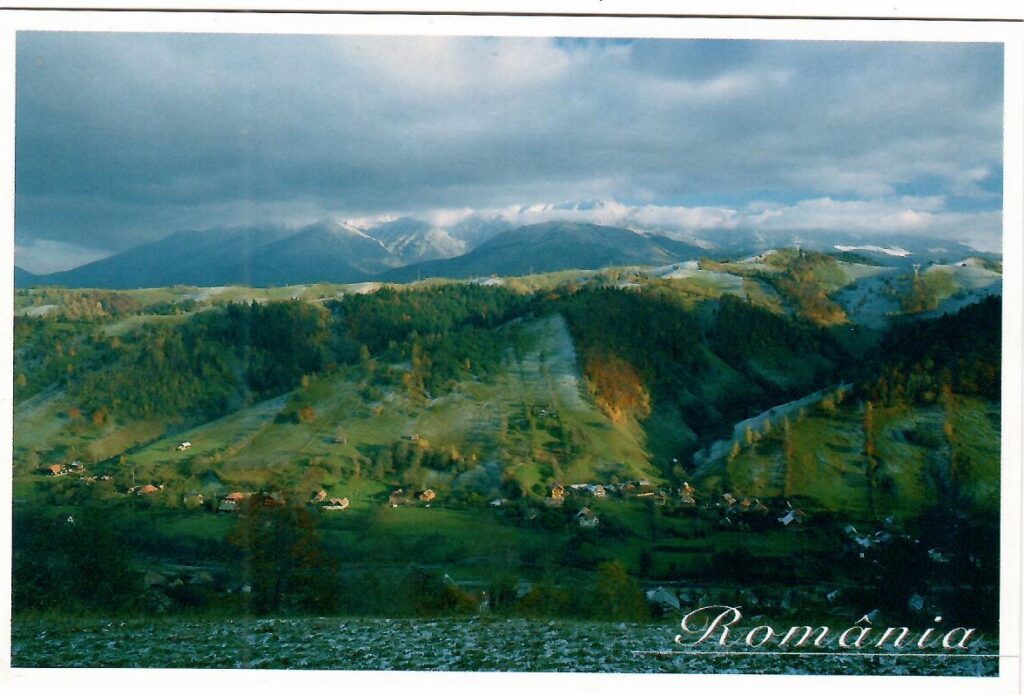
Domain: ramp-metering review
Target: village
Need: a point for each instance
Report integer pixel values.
(732, 510)
(586, 509)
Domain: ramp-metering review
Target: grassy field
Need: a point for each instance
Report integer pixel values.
(828, 469)
(249, 446)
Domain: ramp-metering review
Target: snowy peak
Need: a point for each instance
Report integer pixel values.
(412, 240)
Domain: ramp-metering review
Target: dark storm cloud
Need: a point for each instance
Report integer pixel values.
(123, 138)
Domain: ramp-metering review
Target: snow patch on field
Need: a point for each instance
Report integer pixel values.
(727, 282)
(896, 251)
(439, 644)
(362, 287)
(968, 276)
(205, 293)
(41, 310)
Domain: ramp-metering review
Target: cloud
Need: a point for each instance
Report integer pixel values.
(925, 216)
(45, 256)
(124, 138)
(922, 215)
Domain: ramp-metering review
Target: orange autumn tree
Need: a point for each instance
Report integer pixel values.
(617, 387)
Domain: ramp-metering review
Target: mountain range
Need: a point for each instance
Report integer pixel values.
(408, 248)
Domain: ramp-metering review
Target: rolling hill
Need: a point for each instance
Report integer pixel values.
(628, 389)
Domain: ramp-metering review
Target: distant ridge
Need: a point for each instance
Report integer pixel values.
(552, 246)
(22, 277)
(408, 248)
(324, 252)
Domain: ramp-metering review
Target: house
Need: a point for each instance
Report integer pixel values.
(193, 500)
(789, 517)
(184, 445)
(863, 541)
(272, 499)
(413, 437)
(148, 489)
(76, 465)
(689, 490)
(597, 490)
(236, 496)
(55, 470)
(729, 499)
(397, 498)
(318, 496)
(427, 495)
(586, 518)
(227, 505)
(497, 502)
(336, 504)
(557, 494)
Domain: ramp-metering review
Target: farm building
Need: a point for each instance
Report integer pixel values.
(272, 499)
(397, 498)
(586, 518)
(557, 494)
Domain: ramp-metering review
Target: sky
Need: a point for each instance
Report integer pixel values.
(122, 139)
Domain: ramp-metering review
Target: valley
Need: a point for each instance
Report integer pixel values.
(507, 442)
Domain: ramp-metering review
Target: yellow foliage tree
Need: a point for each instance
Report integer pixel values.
(617, 387)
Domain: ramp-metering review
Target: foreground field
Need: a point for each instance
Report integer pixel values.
(478, 644)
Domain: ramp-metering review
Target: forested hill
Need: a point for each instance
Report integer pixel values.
(961, 351)
(644, 376)
(645, 356)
